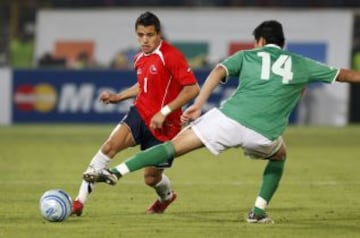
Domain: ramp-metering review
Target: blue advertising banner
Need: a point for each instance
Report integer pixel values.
(72, 96)
(67, 96)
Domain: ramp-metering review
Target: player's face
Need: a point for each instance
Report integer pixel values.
(148, 38)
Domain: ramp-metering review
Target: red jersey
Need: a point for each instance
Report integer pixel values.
(161, 76)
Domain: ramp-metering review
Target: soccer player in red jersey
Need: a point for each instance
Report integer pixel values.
(165, 83)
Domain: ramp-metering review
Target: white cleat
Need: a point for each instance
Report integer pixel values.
(252, 218)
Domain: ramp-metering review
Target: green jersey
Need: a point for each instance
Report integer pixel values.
(271, 81)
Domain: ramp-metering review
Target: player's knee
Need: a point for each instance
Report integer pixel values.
(280, 154)
(151, 179)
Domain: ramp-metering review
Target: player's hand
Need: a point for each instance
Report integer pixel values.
(157, 121)
(190, 114)
(105, 97)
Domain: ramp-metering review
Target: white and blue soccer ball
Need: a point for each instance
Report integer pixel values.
(55, 205)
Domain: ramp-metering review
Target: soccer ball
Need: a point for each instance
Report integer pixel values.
(55, 205)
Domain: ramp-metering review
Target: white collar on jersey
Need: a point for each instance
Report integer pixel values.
(272, 45)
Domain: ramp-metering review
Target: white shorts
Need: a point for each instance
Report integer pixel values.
(219, 132)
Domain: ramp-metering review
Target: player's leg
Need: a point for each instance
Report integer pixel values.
(154, 176)
(271, 178)
(98, 161)
(185, 142)
(119, 139)
(157, 179)
(195, 136)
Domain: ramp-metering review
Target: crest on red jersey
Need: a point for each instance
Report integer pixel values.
(153, 69)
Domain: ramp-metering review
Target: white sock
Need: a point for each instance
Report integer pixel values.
(163, 188)
(122, 169)
(99, 161)
(260, 203)
(84, 191)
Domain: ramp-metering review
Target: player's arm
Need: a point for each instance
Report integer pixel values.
(187, 93)
(108, 97)
(211, 82)
(349, 76)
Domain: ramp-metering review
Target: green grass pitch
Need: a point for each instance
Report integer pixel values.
(318, 196)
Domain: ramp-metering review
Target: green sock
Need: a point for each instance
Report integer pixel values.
(150, 157)
(271, 179)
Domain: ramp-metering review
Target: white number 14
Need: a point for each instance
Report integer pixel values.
(282, 67)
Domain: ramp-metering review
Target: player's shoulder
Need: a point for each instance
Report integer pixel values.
(137, 56)
(296, 57)
(168, 49)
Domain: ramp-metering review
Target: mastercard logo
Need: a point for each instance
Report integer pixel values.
(41, 97)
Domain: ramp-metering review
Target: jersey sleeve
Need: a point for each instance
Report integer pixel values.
(319, 72)
(233, 64)
(180, 69)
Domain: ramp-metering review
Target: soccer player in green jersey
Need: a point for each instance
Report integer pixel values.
(254, 117)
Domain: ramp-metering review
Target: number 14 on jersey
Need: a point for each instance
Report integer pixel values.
(282, 67)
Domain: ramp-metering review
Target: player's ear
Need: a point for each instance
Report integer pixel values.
(262, 41)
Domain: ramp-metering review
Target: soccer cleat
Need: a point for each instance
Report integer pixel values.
(77, 208)
(100, 176)
(159, 207)
(252, 218)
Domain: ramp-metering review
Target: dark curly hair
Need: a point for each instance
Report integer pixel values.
(148, 19)
(271, 31)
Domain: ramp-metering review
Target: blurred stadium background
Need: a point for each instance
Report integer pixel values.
(56, 55)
